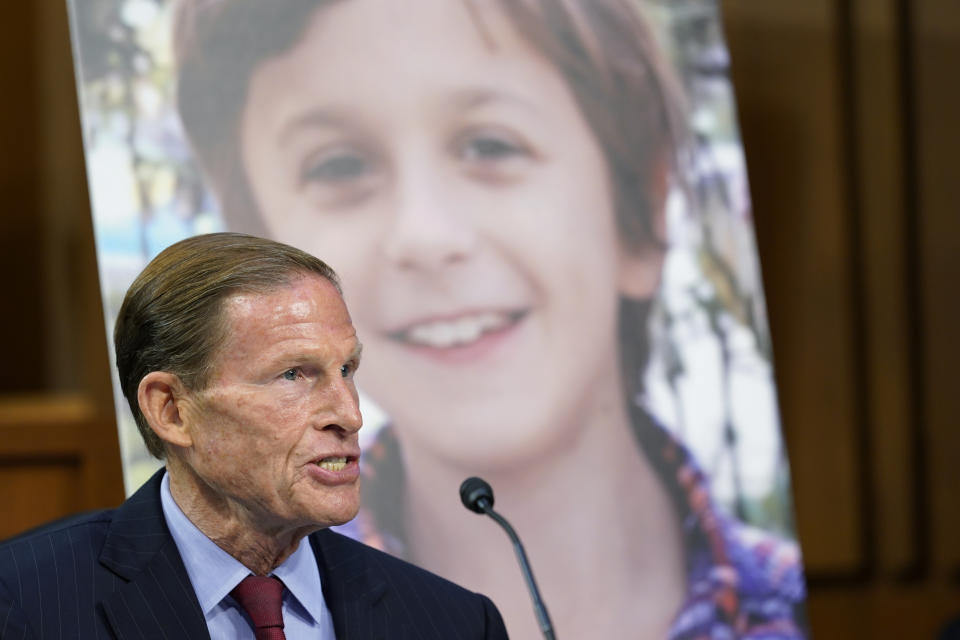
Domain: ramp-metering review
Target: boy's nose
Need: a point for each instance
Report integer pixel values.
(429, 230)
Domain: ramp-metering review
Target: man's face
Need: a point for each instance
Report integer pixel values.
(274, 434)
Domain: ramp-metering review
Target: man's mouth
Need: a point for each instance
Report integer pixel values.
(458, 332)
(333, 463)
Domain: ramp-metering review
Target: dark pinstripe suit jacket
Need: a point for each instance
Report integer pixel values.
(117, 574)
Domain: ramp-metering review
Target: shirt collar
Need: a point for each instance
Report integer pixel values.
(214, 572)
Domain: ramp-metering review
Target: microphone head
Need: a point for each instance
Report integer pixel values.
(475, 493)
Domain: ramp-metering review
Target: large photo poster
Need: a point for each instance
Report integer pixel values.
(540, 216)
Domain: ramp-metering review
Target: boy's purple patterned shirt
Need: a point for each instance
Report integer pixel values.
(741, 582)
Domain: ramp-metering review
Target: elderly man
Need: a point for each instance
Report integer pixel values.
(237, 356)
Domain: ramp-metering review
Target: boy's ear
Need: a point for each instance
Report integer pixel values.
(160, 396)
(638, 274)
(640, 267)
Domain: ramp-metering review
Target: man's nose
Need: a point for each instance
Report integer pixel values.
(430, 230)
(342, 407)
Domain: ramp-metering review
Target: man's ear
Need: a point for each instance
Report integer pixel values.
(160, 396)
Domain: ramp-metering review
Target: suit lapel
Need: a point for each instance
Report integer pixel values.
(353, 591)
(157, 600)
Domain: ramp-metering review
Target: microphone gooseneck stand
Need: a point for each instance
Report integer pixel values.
(477, 496)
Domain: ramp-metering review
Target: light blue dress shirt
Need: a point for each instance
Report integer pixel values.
(214, 573)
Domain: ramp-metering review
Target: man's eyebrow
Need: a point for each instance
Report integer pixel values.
(357, 352)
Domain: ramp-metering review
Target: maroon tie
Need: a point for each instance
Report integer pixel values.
(261, 598)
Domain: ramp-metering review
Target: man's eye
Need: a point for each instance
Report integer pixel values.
(347, 370)
(291, 374)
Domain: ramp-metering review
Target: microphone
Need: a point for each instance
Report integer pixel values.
(477, 495)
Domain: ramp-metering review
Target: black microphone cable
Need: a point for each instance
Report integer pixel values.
(477, 496)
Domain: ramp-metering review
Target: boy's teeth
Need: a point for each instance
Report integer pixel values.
(449, 333)
(333, 464)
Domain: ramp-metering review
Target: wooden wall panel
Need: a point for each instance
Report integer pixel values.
(937, 120)
(858, 101)
(19, 210)
(53, 432)
(58, 444)
(23, 481)
(897, 612)
(76, 340)
(785, 63)
(875, 89)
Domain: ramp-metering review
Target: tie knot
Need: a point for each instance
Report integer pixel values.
(261, 597)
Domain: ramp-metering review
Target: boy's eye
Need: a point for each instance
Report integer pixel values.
(489, 145)
(489, 149)
(337, 167)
